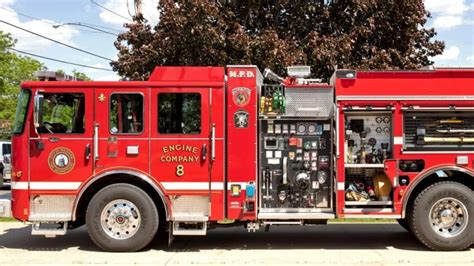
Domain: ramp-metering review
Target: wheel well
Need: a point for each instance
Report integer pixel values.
(114, 179)
(452, 175)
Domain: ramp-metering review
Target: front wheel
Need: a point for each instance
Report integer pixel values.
(122, 217)
(441, 216)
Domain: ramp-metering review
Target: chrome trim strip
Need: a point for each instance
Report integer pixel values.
(437, 152)
(96, 142)
(447, 108)
(178, 138)
(373, 216)
(213, 139)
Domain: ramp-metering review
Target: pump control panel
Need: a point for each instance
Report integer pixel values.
(295, 163)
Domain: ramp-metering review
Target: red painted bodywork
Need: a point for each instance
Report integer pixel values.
(242, 143)
(235, 159)
(398, 89)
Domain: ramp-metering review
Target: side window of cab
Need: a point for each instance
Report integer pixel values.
(63, 113)
(126, 113)
(179, 113)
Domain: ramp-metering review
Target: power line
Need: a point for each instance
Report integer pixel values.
(111, 11)
(100, 26)
(58, 60)
(52, 24)
(38, 19)
(58, 42)
(84, 25)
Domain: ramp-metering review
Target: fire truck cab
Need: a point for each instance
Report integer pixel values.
(194, 148)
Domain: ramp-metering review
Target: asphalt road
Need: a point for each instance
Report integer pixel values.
(346, 244)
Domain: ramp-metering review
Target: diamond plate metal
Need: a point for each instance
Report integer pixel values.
(184, 206)
(51, 207)
(309, 102)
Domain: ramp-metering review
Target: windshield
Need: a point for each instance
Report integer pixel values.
(21, 110)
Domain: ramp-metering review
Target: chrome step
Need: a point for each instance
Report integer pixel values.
(5, 208)
(295, 215)
(49, 229)
(282, 223)
(189, 228)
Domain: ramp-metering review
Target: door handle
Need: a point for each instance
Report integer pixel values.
(213, 140)
(204, 152)
(88, 151)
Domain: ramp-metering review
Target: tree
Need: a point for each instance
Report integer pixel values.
(13, 70)
(80, 76)
(368, 34)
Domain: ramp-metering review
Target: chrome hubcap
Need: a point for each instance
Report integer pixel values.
(448, 217)
(120, 219)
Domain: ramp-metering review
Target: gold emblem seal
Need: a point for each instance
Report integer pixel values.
(241, 96)
(61, 160)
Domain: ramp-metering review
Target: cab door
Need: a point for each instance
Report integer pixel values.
(121, 116)
(60, 150)
(181, 148)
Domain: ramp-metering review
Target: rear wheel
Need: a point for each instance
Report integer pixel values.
(441, 216)
(122, 217)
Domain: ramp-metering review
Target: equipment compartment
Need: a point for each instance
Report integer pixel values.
(368, 144)
(368, 138)
(367, 186)
(438, 131)
(296, 164)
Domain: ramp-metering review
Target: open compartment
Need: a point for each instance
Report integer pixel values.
(368, 143)
(443, 130)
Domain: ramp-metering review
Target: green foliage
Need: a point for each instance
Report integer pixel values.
(368, 34)
(80, 76)
(13, 70)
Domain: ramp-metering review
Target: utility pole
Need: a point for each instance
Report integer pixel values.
(138, 7)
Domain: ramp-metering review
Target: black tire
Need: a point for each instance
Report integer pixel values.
(404, 223)
(143, 213)
(459, 235)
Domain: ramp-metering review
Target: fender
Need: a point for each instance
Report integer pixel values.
(143, 177)
(422, 176)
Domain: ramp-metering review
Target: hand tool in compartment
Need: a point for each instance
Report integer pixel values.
(267, 179)
(384, 147)
(449, 130)
(350, 151)
(362, 152)
(449, 139)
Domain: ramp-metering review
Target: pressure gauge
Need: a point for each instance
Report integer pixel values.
(372, 142)
(378, 130)
(311, 129)
(378, 120)
(322, 177)
(386, 130)
(386, 120)
(301, 129)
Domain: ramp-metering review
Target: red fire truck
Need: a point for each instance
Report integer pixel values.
(195, 148)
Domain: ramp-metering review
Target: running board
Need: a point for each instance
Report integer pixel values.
(189, 228)
(189, 225)
(295, 216)
(49, 230)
